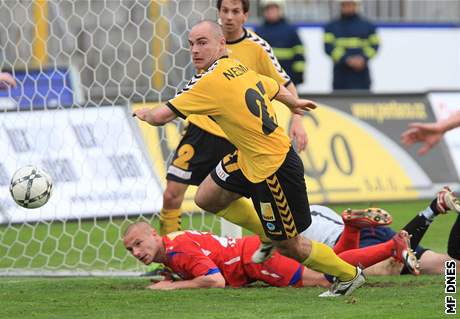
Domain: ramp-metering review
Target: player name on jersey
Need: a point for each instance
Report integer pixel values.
(233, 72)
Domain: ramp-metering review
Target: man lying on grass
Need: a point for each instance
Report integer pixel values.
(204, 260)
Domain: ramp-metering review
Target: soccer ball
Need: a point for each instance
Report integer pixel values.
(31, 187)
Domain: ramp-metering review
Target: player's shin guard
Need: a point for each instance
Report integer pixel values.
(169, 220)
(242, 213)
(323, 259)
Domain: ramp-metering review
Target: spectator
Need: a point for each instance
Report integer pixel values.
(283, 38)
(351, 41)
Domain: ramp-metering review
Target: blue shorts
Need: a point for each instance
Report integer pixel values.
(378, 235)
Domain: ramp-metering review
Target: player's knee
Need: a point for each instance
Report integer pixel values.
(202, 202)
(291, 248)
(172, 198)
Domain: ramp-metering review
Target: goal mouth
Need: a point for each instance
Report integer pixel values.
(80, 68)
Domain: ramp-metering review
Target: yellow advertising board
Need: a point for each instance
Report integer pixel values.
(347, 159)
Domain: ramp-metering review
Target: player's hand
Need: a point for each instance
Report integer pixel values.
(165, 274)
(297, 133)
(162, 285)
(303, 105)
(6, 80)
(142, 114)
(427, 133)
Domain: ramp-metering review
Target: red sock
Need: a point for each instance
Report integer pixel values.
(348, 240)
(368, 256)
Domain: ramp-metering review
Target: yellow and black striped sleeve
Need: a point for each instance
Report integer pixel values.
(195, 98)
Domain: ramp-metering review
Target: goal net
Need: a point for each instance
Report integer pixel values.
(81, 67)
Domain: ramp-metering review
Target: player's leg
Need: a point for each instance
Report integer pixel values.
(191, 163)
(444, 202)
(316, 256)
(170, 214)
(311, 278)
(354, 220)
(213, 198)
(279, 271)
(433, 263)
(241, 211)
(398, 247)
(387, 267)
(180, 174)
(453, 245)
(349, 239)
(221, 193)
(375, 236)
(282, 204)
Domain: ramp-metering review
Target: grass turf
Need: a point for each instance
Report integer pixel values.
(389, 297)
(382, 297)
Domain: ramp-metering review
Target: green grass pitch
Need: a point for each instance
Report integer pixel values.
(381, 297)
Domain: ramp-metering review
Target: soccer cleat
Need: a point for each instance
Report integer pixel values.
(345, 288)
(363, 218)
(404, 254)
(262, 253)
(446, 200)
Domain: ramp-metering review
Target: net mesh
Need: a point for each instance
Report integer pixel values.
(81, 66)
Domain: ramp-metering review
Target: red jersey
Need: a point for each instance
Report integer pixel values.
(192, 254)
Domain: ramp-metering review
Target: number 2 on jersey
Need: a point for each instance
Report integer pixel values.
(185, 153)
(256, 105)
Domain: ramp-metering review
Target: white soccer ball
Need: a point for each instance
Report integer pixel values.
(31, 187)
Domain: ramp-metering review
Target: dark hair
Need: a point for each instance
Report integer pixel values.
(245, 4)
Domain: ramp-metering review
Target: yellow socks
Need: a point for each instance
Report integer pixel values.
(242, 213)
(323, 259)
(169, 220)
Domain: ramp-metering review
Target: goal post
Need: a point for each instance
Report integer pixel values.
(81, 67)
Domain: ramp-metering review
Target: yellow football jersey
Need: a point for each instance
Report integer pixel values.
(239, 101)
(256, 54)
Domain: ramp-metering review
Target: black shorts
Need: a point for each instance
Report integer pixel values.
(280, 201)
(197, 155)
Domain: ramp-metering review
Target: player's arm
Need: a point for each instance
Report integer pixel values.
(6, 80)
(206, 281)
(296, 105)
(195, 98)
(429, 133)
(197, 269)
(157, 116)
(297, 131)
